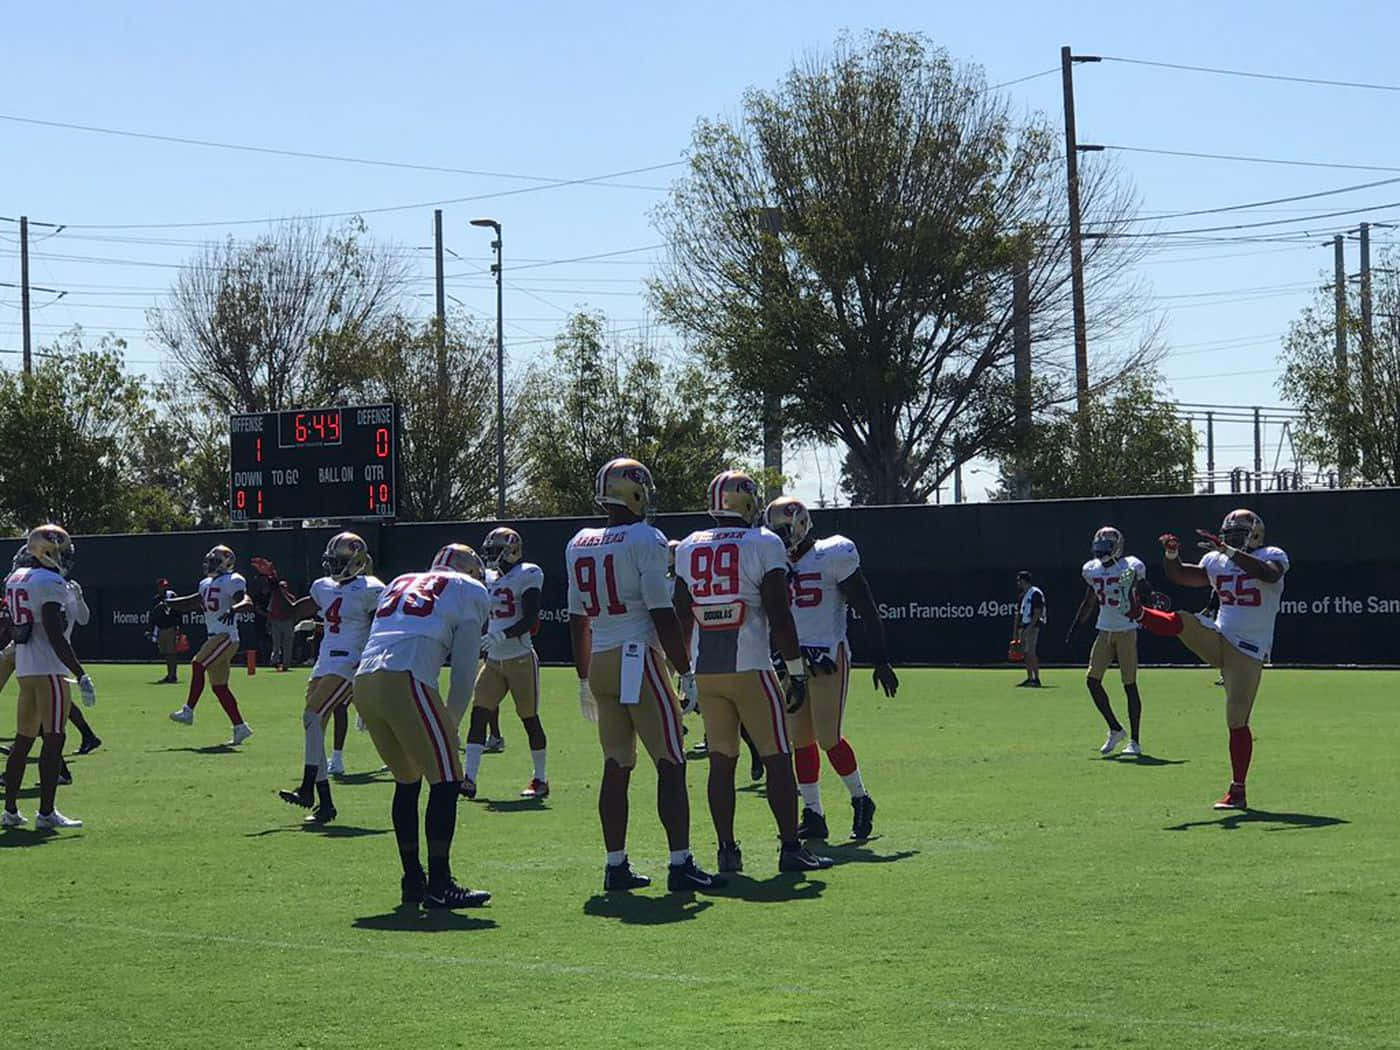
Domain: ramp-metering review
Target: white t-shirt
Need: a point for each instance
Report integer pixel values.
(507, 594)
(723, 569)
(818, 606)
(27, 591)
(1248, 605)
(217, 595)
(347, 610)
(1028, 606)
(617, 575)
(1113, 603)
(422, 618)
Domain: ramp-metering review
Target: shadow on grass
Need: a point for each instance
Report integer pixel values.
(351, 779)
(636, 910)
(329, 831)
(516, 805)
(861, 853)
(211, 749)
(19, 838)
(1144, 759)
(784, 886)
(1284, 821)
(409, 918)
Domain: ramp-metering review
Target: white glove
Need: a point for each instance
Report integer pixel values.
(360, 723)
(587, 705)
(691, 692)
(88, 690)
(75, 588)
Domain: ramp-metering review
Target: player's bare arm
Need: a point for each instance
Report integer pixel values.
(186, 603)
(681, 602)
(774, 593)
(581, 636)
(51, 615)
(1264, 571)
(241, 602)
(301, 607)
(1183, 574)
(668, 632)
(856, 589)
(529, 614)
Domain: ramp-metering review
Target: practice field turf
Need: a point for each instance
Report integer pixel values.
(1021, 892)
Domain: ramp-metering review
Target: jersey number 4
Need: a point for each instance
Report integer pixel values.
(586, 578)
(417, 596)
(332, 616)
(1235, 590)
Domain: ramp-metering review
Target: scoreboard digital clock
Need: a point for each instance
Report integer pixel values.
(314, 463)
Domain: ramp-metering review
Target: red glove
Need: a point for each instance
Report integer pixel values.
(1171, 546)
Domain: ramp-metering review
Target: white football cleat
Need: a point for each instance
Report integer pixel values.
(334, 766)
(1133, 750)
(12, 820)
(241, 732)
(185, 716)
(55, 820)
(1115, 737)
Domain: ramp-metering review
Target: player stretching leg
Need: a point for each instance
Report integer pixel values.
(511, 665)
(623, 629)
(422, 618)
(1117, 635)
(1248, 579)
(731, 580)
(222, 595)
(345, 598)
(825, 575)
(41, 610)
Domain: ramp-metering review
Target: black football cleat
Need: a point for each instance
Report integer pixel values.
(467, 788)
(813, 825)
(322, 814)
(797, 857)
(89, 744)
(620, 878)
(863, 817)
(682, 878)
(412, 887)
(729, 858)
(65, 775)
(450, 895)
(755, 768)
(303, 797)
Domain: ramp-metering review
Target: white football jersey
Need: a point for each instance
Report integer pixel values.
(507, 591)
(1248, 605)
(422, 618)
(27, 591)
(1113, 603)
(723, 568)
(617, 575)
(1028, 606)
(347, 609)
(216, 595)
(818, 606)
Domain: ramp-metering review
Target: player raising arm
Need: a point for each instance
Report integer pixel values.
(423, 617)
(824, 577)
(1247, 577)
(41, 611)
(623, 627)
(222, 595)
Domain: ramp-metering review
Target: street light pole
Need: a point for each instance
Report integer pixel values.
(500, 373)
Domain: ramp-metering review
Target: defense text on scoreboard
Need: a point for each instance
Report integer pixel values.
(314, 463)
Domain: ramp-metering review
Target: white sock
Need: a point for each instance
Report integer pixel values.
(679, 857)
(812, 796)
(473, 760)
(537, 757)
(854, 784)
(616, 857)
(315, 739)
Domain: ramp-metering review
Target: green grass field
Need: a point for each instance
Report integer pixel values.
(1021, 892)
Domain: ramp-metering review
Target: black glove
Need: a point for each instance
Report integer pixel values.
(886, 679)
(227, 618)
(818, 659)
(779, 665)
(796, 692)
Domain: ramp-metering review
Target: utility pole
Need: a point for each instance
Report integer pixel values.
(1368, 364)
(1210, 451)
(498, 270)
(771, 222)
(1021, 350)
(24, 290)
(1258, 453)
(443, 484)
(1339, 262)
(1076, 249)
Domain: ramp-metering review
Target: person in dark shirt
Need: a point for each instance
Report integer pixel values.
(166, 622)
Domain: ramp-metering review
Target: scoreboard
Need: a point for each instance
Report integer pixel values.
(314, 463)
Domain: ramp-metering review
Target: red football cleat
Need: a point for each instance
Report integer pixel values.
(1234, 798)
(537, 788)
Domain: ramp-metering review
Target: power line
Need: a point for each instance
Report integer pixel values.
(1252, 160)
(1253, 76)
(1022, 80)
(1257, 204)
(1249, 225)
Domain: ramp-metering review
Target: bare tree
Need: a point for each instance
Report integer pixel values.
(848, 247)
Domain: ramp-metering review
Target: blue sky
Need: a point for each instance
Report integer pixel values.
(575, 91)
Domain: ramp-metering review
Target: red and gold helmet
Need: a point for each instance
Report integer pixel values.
(734, 496)
(624, 482)
(1243, 529)
(458, 557)
(502, 549)
(51, 547)
(218, 560)
(1108, 544)
(788, 517)
(345, 557)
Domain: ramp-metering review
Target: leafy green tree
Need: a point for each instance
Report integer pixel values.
(596, 400)
(847, 246)
(1133, 443)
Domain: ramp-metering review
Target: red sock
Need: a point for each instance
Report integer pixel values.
(1166, 624)
(809, 764)
(196, 683)
(228, 703)
(1241, 751)
(842, 758)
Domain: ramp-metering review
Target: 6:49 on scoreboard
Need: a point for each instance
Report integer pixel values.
(314, 463)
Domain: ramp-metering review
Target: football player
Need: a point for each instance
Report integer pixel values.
(422, 618)
(1117, 634)
(345, 598)
(41, 607)
(623, 627)
(824, 577)
(511, 665)
(1247, 577)
(731, 580)
(222, 595)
